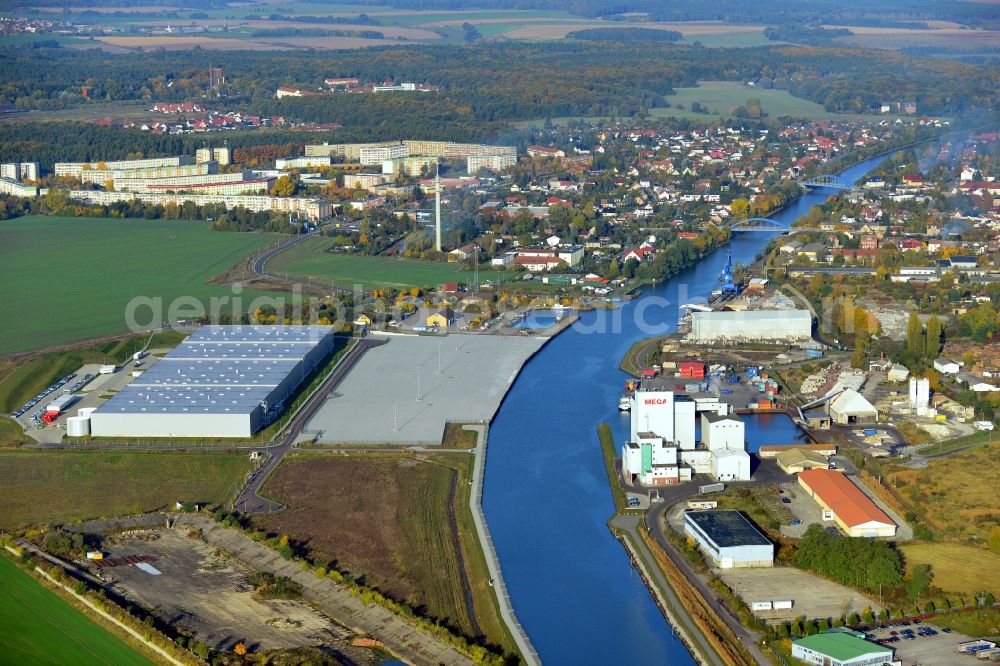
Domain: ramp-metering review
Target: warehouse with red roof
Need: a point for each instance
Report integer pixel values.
(844, 503)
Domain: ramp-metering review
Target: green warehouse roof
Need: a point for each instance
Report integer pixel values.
(840, 646)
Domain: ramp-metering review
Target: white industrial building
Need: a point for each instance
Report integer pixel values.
(652, 461)
(728, 539)
(222, 381)
(850, 408)
(751, 325)
(661, 415)
(724, 437)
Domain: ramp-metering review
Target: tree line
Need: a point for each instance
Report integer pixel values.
(494, 82)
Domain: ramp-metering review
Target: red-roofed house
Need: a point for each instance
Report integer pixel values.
(639, 254)
(845, 504)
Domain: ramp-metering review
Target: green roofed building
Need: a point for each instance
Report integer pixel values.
(840, 649)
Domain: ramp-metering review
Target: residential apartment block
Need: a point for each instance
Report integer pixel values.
(311, 209)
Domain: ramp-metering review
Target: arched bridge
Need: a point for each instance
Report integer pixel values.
(834, 182)
(757, 224)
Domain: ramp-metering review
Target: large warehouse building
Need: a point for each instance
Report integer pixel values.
(845, 504)
(751, 325)
(729, 539)
(222, 381)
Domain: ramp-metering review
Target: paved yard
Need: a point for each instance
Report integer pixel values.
(404, 392)
(811, 595)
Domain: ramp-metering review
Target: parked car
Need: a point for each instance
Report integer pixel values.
(796, 522)
(785, 500)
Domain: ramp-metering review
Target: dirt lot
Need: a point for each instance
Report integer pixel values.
(812, 596)
(205, 592)
(381, 518)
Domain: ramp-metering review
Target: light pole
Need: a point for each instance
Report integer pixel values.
(395, 415)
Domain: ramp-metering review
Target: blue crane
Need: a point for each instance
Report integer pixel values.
(728, 286)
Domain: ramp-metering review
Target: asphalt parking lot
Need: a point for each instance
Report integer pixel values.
(937, 650)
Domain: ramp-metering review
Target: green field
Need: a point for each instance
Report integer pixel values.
(957, 569)
(721, 97)
(40, 628)
(310, 259)
(68, 279)
(65, 486)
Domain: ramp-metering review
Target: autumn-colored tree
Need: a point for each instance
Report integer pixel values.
(933, 337)
(740, 208)
(240, 648)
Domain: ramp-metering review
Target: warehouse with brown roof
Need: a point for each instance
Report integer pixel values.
(845, 504)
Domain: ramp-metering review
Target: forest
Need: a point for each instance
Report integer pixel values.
(494, 83)
(631, 34)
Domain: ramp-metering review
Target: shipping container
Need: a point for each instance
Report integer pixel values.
(760, 605)
(782, 604)
(814, 353)
(711, 488)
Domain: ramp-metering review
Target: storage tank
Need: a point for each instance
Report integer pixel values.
(78, 426)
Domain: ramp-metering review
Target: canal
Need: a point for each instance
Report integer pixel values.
(546, 494)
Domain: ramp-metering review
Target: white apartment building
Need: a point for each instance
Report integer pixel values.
(409, 166)
(103, 176)
(492, 162)
(220, 155)
(216, 183)
(311, 209)
(74, 169)
(17, 188)
(379, 154)
(310, 162)
(19, 170)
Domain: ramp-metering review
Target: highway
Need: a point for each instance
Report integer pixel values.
(250, 500)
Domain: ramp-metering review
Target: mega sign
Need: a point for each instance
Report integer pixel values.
(656, 401)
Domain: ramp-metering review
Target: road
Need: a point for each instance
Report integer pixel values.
(250, 500)
(258, 264)
(656, 520)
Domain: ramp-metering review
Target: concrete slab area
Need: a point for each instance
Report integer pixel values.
(811, 595)
(395, 394)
